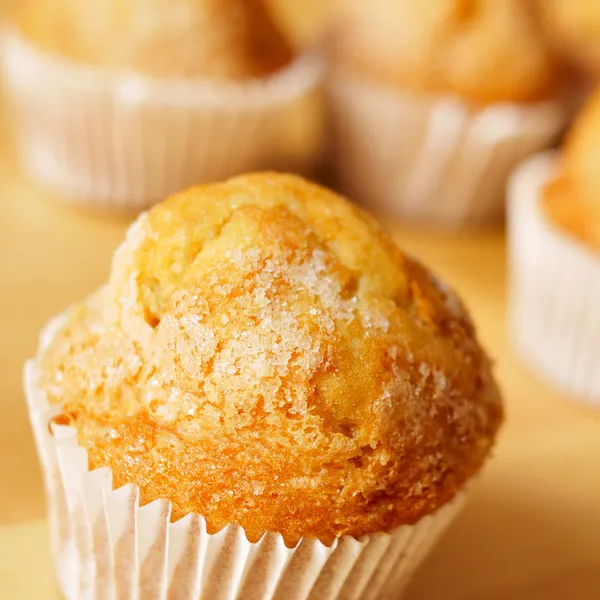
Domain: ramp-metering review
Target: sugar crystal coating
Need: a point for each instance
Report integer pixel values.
(263, 354)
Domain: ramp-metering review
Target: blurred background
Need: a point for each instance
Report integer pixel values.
(422, 112)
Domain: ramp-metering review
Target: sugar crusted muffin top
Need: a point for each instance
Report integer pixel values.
(214, 39)
(264, 355)
(484, 51)
(572, 199)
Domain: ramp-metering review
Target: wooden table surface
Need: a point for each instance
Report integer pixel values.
(531, 530)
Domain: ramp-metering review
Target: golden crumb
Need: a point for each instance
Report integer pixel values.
(572, 200)
(484, 51)
(264, 355)
(215, 39)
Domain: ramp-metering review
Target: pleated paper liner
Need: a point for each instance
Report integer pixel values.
(125, 141)
(432, 159)
(554, 290)
(107, 547)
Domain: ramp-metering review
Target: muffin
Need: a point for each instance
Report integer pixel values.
(267, 371)
(435, 102)
(120, 103)
(555, 259)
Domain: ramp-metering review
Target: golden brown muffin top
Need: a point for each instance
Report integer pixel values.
(485, 51)
(216, 39)
(572, 200)
(575, 26)
(264, 355)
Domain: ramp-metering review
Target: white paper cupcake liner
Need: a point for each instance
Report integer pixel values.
(108, 547)
(432, 159)
(554, 290)
(125, 141)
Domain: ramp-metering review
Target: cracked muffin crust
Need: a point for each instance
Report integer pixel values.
(263, 354)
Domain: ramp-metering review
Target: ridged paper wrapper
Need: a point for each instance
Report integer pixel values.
(124, 141)
(432, 159)
(554, 289)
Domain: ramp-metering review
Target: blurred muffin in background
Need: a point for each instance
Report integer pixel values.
(574, 26)
(555, 260)
(435, 102)
(223, 40)
(263, 356)
(482, 51)
(121, 102)
(572, 199)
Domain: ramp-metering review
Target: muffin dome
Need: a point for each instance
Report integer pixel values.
(482, 50)
(264, 355)
(216, 39)
(573, 199)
